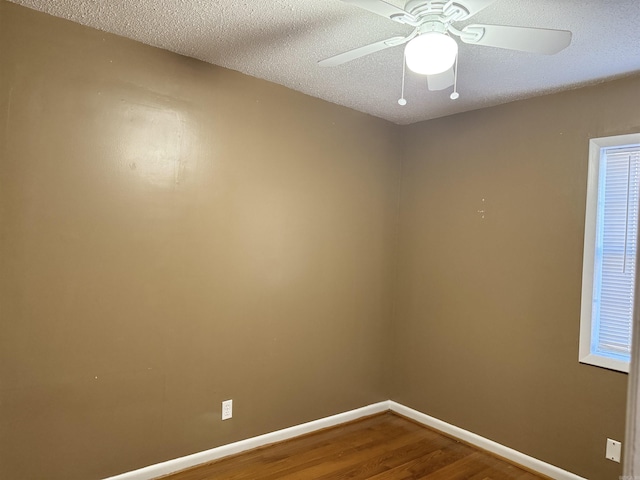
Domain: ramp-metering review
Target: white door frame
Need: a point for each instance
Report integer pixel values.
(631, 465)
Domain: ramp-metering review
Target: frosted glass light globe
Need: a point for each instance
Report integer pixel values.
(431, 53)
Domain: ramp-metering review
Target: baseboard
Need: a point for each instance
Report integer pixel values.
(484, 443)
(175, 465)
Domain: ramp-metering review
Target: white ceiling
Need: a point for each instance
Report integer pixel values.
(281, 41)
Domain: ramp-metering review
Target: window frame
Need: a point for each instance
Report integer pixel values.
(585, 355)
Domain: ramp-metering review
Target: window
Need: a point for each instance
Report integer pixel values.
(610, 243)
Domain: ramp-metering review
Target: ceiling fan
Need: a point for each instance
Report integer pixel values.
(431, 49)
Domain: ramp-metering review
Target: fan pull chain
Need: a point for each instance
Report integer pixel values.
(455, 95)
(402, 101)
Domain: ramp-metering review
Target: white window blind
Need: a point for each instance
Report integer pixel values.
(615, 252)
(610, 245)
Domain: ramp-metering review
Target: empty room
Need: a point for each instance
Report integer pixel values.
(235, 235)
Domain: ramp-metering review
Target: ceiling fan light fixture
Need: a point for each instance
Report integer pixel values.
(431, 53)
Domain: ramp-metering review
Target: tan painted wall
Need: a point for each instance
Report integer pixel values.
(172, 235)
(486, 334)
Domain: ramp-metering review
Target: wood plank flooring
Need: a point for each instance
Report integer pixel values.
(382, 447)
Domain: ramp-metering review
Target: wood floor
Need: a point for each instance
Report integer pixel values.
(382, 447)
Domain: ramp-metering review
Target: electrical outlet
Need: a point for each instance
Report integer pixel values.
(614, 448)
(227, 409)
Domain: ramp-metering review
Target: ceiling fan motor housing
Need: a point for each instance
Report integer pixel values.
(445, 12)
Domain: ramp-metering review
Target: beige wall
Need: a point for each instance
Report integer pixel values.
(486, 331)
(172, 235)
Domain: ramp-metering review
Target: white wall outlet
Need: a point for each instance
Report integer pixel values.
(227, 409)
(614, 448)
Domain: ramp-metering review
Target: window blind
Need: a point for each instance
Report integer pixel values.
(615, 251)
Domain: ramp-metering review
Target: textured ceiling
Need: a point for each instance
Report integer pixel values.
(282, 40)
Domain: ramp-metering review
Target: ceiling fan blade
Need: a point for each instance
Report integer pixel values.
(474, 6)
(525, 39)
(361, 51)
(378, 6)
(441, 81)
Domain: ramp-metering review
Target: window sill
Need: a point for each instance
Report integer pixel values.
(604, 362)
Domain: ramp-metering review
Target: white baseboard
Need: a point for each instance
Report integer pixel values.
(484, 443)
(175, 465)
(172, 466)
